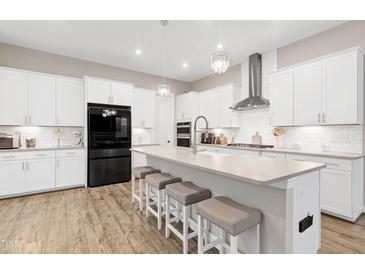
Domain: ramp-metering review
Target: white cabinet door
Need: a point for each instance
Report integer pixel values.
(42, 98)
(282, 92)
(12, 177)
(70, 171)
(98, 91)
(121, 94)
(40, 174)
(164, 126)
(228, 96)
(209, 107)
(342, 90)
(143, 108)
(336, 191)
(69, 102)
(307, 94)
(179, 106)
(13, 97)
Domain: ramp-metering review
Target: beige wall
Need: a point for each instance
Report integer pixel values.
(34, 60)
(344, 36)
(232, 75)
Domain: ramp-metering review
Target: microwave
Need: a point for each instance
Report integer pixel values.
(9, 142)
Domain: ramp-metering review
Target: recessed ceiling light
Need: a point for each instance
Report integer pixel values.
(138, 52)
(219, 46)
(185, 65)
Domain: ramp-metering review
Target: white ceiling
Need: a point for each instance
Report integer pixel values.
(115, 42)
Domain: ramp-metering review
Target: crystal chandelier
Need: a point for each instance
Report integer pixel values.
(220, 62)
(164, 89)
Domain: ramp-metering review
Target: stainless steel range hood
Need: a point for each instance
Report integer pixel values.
(255, 99)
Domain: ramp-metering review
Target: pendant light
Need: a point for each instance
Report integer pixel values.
(164, 89)
(220, 61)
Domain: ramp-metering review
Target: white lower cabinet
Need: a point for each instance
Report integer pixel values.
(342, 185)
(12, 177)
(40, 174)
(336, 191)
(32, 171)
(70, 171)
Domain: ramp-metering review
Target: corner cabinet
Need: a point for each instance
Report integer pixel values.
(325, 91)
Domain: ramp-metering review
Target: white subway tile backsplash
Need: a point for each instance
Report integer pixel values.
(45, 135)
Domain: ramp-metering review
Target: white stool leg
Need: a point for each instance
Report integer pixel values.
(200, 235)
(234, 244)
(140, 194)
(186, 216)
(159, 209)
(258, 238)
(147, 198)
(223, 238)
(167, 216)
(133, 187)
(178, 211)
(206, 231)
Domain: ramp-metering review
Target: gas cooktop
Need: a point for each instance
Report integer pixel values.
(249, 145)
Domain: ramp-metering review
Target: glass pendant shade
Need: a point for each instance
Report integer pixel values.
(220, 62)
(164, 90)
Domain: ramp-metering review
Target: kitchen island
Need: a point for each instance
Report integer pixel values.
(284, 191)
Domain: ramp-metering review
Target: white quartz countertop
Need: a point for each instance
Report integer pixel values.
(332, 154)
(22, 149)
(252, 169)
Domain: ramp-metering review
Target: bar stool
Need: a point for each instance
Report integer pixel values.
(186, 194)
(140, 172)
(158, 182)
(231, 217)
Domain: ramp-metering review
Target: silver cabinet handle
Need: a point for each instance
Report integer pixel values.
(40, 155)
(23, 165)
(70, 153)
(331, 164)
(319, 118)
(25, 120)
(323, 117)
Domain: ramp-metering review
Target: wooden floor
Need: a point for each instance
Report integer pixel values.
(102, 220)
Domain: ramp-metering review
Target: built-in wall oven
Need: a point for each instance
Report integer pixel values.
(109, 143)
(183, 134)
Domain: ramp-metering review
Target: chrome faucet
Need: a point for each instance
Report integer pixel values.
(195, 131)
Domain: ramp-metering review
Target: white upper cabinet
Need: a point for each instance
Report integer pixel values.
(187, 106)
(282, 86)
(209, 107)
(307, 91)
(327, 91)
(343, 89)
(228, 96)
(13, 97)
(121, 94)
(69, 102)
(143, 108)
(103, 91)
(42, 98)
(98, 91)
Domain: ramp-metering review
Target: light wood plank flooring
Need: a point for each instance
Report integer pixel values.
(102, 220)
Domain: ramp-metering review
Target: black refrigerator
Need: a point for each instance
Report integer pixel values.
(109, 143)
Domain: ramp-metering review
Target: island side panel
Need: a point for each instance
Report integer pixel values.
(270, 200)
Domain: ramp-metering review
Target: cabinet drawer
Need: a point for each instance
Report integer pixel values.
(70, 152)
(10, 156)
(42, 154)
(331, 163)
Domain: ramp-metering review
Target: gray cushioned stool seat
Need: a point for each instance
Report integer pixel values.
(186, 193)
(228, 214)
(160, 180)
(142, 171)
